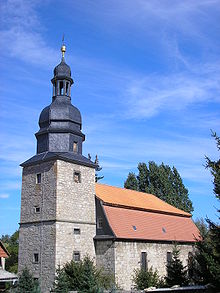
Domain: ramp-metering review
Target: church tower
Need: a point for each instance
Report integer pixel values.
(58, 189)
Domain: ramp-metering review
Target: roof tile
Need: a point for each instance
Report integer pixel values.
(136, 224)
(130, 198)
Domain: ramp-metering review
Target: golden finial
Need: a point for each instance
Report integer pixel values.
(63, 47)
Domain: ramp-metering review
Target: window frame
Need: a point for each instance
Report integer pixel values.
(35, 209)
(75, 147)
(144, 264)
(76, 231)
(75, 255)
(36, 258)
(77, 173)
(38, 178)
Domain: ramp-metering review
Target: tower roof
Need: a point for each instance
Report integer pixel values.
(60, 136)
(62, 69)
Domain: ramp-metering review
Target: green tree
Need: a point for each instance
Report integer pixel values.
(61, 283)
(81, 276)
(163, 181)
(176, 272)
(144, 279)
(131, 182)
(26, 283)
(11, 244)
(208, 248)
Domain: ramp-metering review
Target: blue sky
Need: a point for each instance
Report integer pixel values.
(147, 83)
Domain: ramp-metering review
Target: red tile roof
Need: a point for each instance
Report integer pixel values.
(144, 225)
(3, 251)
(133, 199)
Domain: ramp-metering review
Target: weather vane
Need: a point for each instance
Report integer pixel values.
(63, 47)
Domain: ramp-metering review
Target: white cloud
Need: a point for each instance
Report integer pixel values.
(153, 94)
(4, 195)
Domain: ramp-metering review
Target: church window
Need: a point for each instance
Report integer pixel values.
(36, 258)
(99, 223)
(77, 231)
(169, 257)
(77, 177)
(75, 147)
(37, 209)
(76, 256)
(144, 261)
(38, 178)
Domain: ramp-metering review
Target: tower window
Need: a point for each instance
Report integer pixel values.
(37, 209)
(99, 223)
(75, 146)
(76, 256)
(38, 178)
(77, 177)
(144, 261)
(61, 88)
(67, 89)
(76, 231)
(36, 258)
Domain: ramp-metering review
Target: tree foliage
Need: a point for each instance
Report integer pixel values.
(26, 283)
(81, 276)
(163, 181)
(144, 279)
(11, 244)
(208, 248)
(176, 272)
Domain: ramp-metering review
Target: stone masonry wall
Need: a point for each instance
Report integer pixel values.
(105, 255)
(37, 229)
(75, 208)
(128, 258)
(38, 238)
(42, 195)
(75, 201)
(67, 242)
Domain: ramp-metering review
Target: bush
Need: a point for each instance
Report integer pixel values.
(26, 283)
(176, 272)
(144, 279)
(81, 276)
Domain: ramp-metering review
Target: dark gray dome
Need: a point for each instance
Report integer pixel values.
(62, 69)
(60, 111)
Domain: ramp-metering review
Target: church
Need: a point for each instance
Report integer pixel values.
(65, 215)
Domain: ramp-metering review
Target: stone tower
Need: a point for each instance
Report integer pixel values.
(58, 189)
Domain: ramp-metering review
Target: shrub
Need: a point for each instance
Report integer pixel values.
(26, 283)
(144, 279)
(81, 276)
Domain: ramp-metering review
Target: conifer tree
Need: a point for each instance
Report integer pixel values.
(176, 272)
(26, 283)
(208, 253)
(162, 181)
(131, 182)
(61, 283)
